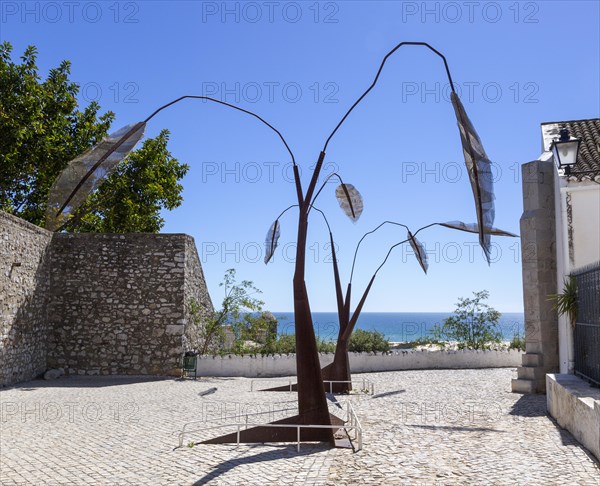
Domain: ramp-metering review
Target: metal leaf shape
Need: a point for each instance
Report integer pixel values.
(271, 240)
(480, 174)
(474, 228)
(350, 201)
(85, 173)
(419, 250)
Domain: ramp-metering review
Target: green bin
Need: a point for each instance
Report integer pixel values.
(190, 363)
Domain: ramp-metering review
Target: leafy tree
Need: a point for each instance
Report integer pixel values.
(474, 324)
(42, 129)
(132, 197)
(237, 310)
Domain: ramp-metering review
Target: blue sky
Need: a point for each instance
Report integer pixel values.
(301, 65)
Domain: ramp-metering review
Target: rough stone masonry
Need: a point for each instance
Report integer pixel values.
(95, 303)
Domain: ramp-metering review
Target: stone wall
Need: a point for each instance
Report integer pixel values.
(194, 290)
(538, 250)
(117, 302)
(23, 294)
(575, 405)
(96, 303)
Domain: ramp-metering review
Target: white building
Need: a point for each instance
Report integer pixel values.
(577, 210)
(560, 238)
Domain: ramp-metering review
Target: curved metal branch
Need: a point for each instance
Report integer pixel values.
(373, 231)
(285, 211)
(136, 127)
(324, 217)
(358, 310)
(296, 205)
(355, 315)
(230, 106)
(367, 234)
(425, 227)
(404, 241)
(388, 255)
(377, 77)
(323, 187)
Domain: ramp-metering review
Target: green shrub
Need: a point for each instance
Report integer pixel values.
(474, 324)
(424, 341)
(284, 344)
(517, 342)
(566, 303)
(325, 346)
(362, 341)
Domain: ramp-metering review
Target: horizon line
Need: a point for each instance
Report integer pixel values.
(392, 312)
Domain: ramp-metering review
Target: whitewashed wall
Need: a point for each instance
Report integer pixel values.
(285, 365)
(585, 215)
(577, 245)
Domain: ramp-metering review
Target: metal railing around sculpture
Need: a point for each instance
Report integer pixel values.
(350, 424)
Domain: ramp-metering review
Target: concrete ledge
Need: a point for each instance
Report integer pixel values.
(576, 407)
(285, 365)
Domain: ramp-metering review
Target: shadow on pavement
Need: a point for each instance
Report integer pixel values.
(530, 406)
(284, 451)
(535, 406)
(86, 382)
(388, 394)
(456, 428)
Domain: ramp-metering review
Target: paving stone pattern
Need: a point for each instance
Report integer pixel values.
(435, 427)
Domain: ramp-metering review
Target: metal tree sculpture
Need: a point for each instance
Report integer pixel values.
(312, 404)
(479, 169)
(338, 371)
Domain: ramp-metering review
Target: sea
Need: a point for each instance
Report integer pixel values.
(396, 326)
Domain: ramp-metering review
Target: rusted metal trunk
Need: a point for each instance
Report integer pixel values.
(312, 403)
(338, 370)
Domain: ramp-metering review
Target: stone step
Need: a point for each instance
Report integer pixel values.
(522, 386)
(532, 359)
(531, 373)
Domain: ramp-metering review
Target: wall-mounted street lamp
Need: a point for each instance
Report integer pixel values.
(565, 150)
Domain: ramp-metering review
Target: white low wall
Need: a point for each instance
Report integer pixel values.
(576, 407)
(285, 365)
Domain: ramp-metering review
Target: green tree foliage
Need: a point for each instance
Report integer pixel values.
(517, 342)
(362, 341)
(474, 323)
(42, 129)
(566, 303)
(286, 344)
(131, 198)
(238, 310)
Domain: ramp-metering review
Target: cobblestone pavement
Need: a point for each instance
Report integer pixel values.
(436, 427)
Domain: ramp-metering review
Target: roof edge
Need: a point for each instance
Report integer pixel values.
(569, 121)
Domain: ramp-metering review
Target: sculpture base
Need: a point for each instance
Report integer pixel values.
(282, 434)
(331, 372)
